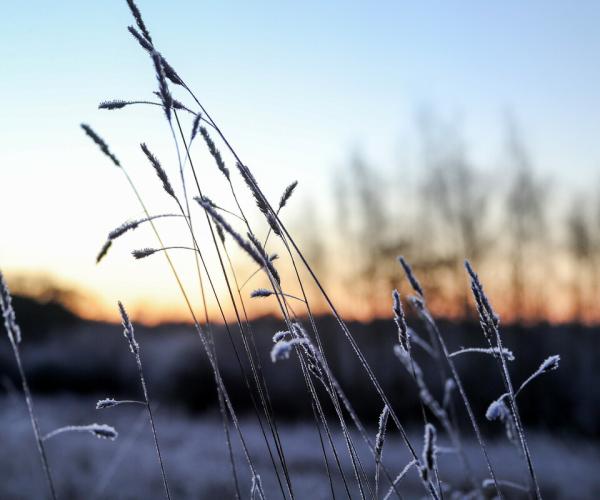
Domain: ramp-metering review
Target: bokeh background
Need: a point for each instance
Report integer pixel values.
(432, 130)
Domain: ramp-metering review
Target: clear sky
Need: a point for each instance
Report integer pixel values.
(295, 85)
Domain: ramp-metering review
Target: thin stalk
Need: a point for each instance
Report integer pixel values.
(334, 311)
(308, 381)
(325, 455)
(135, 350)
(281, 298)
(491, 322)
(256, 354)
(429, 321)
(354, 457)
(221, 402)
(34, 424)
(122, 451)
(201, 335)
(312, 391)
(515, 411)
(197, 248)
(242, 333)
(138, 361)
(334, 389)
(159, 104)
(400, 476)
(13, 332)
(345, 330)
(426, 399)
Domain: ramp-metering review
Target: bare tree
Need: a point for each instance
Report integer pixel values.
(372, 226)
(454, 193)
(525, 221)
(583, 247)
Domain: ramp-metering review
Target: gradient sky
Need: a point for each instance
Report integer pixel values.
(296, 86)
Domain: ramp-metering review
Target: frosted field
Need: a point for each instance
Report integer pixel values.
(197, 464)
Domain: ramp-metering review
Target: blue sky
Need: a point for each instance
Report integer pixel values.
(296, 86)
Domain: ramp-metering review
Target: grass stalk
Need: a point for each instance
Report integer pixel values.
(14, 336)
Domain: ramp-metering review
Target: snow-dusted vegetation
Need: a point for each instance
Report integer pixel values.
(198, 467)
(299, 404)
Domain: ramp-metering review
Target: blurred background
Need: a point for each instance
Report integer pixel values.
(431, 130)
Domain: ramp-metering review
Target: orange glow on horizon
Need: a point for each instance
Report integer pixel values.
(446, 299)
(174, 310)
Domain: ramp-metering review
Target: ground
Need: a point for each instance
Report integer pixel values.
(197, 465)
